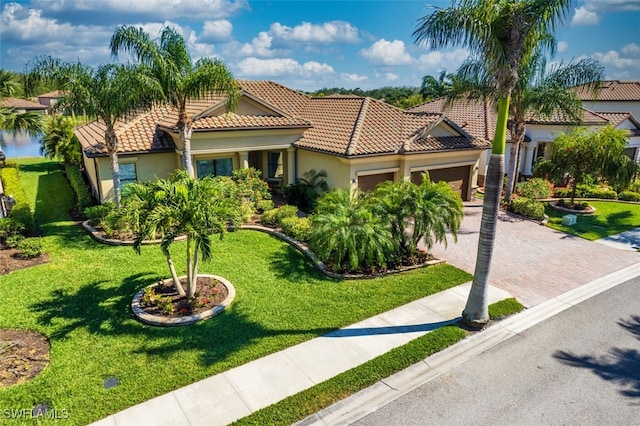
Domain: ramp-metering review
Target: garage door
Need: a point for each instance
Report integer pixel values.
(456, 177)
(369, 182)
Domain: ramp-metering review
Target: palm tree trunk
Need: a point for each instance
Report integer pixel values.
(112, 147)
(174, 275)
(185, 136)
(193, 283)
(511, 170)
(476, 311)
(189, 265)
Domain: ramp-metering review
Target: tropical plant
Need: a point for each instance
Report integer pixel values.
(307, 189)
(59, 140)
(584, 154)
(180, 78)
(251, 185)
(433, 88)
(535, 189)
(348, 235)
(12, 121)
(108, 92)
(183, 205)
(503, 34)
(418, 213)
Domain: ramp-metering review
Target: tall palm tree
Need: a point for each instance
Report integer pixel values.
(540, 91)
(59, 140)
(180, 78)
(183, 205)
(11, 120)
(433, 88)
(502, 34)
(108, 92)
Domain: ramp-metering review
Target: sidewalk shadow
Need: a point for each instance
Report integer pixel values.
(392, 329)
(619, 366)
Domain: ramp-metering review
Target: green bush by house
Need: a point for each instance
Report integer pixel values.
(79, 187)
(21, 210)
(528, 207)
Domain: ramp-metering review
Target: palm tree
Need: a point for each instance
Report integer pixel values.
(502, 34)
(541, 91)
(31, 122)
(182, 205)
(433, 88)
(418, 213)
(59, 140)
(108, 92)
(180, 78)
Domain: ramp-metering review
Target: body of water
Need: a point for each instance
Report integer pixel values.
(21, 145)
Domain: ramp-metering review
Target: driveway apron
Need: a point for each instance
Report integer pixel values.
(532, 262)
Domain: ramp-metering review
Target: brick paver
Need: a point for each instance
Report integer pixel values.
(533, 262)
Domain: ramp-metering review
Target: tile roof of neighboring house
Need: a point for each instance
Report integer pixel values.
(10, 102)
(589, 118)
(54, 94)
(342, 125)
(612, 90)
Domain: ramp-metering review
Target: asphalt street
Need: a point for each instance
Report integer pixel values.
(580, 367)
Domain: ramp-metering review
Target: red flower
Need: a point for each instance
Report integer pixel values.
(205, 301)
(183, 310)
(215, 291)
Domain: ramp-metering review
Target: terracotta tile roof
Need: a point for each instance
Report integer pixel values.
(10, 102)
(612, 90)
(54, 94)
(615, 118)
(446, 143)
(588, 118)
(342, 125)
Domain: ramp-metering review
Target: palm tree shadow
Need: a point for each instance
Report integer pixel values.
(290, 263)
(619, 366)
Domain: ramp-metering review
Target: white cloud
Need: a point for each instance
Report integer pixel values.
(613, 59)
(216, 30)
(632, 50)
(387, 53)
(256, 67)
(583, 16)
(612, 6)
(437, 60)
(259, 46)
(352, 78)
(326, 33)
(562, 46)
(389, 76)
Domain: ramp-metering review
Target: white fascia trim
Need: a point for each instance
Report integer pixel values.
(377, 171)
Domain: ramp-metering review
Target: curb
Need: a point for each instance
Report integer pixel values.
(389, 389)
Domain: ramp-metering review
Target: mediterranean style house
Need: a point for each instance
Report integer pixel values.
(358, 141)
(617, 104)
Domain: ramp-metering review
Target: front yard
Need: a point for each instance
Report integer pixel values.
(80, 301)
(609, 219)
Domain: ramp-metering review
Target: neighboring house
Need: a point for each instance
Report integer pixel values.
(359, 142)
(614, 96)
(50, 99)
(22, 105)
(479, 120)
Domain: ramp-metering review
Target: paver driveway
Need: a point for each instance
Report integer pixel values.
(532, 262)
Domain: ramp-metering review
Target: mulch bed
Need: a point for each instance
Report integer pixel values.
(209, 293)
(10, 260)
(23, 354)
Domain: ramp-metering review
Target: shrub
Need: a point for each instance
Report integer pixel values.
(247, 208)
(528, 208)
(9, 227)
(83, 197)
(251, 185)
(96, 214)
(13, 240)
(604, 193)
(534, 189)
(284, 212)
(269, 217)
(298, 228)
(264, 205)
(30, 248)
(629, 196)
(21, 210)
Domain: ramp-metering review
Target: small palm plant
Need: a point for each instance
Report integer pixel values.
(182, 205)
(348, 235)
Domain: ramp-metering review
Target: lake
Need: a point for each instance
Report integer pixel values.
(21, 145)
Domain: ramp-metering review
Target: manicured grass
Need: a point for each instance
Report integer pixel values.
(504, 307)
(610, 218)
(80, 301)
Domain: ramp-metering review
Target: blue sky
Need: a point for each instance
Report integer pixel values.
(305, 45)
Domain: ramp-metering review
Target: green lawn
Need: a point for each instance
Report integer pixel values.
(610, 218)
(80, 301)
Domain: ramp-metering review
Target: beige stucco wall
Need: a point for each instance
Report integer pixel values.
(148, 167)
(338, 173)
(90, 168)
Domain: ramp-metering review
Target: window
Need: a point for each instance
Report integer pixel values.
(128, 173)
(217, 167)
(276, 169)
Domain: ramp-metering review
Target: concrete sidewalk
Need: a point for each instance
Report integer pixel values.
(223, 398)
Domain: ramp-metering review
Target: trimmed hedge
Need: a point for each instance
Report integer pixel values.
(534, 189)
(629, 196)
(297, 227)
(528, 207)
(83, 196)
(21, 209)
